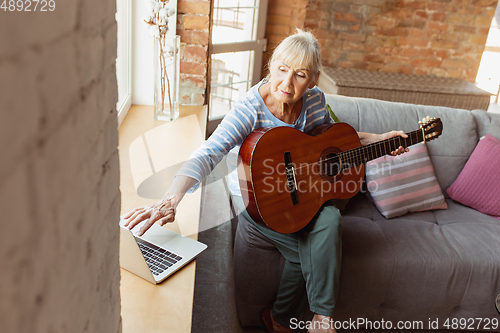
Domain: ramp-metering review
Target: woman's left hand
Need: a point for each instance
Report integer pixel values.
(392, 134)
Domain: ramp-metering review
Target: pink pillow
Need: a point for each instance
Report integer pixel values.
(478, 185)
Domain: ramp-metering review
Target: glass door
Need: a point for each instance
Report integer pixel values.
(236, 52)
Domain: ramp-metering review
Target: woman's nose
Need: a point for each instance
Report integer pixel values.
(288, 79)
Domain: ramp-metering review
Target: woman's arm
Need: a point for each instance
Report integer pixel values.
(162, 211)
(368, 138)
(231, 132)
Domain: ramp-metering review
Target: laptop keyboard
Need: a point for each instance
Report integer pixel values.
(158, 259)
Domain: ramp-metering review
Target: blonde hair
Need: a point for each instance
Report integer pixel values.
(300, 49)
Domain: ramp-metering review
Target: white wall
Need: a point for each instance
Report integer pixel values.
(142, 53)
(59, 176)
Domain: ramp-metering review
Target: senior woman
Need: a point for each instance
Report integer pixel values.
(288, 97)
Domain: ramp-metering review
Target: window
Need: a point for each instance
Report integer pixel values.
(123, 61)
(488, 76)
(237, 46)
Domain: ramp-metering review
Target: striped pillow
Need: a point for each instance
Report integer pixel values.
(404, 183)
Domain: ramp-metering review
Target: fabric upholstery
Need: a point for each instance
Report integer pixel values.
(400, 269)
(436, 264)
(487, 123)
(478, 185)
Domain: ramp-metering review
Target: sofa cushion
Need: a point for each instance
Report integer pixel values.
(404, 183)
(487, 123)
(478, 183)
(435, 264)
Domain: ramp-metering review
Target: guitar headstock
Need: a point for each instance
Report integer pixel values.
(431, 127)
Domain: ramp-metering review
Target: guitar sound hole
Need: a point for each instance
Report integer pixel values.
(330, 165)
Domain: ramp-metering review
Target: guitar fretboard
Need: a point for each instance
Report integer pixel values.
(361, 155)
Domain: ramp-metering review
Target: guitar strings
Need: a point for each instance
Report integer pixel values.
(354, 154)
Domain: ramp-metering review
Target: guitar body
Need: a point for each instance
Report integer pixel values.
(286, 175)
(287, 201)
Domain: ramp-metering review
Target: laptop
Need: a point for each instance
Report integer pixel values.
(157, 254)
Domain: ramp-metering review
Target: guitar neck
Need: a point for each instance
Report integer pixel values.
(363, 154)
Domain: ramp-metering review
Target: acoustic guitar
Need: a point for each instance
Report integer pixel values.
(286, 175)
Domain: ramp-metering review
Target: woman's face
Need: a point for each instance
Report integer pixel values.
(289, 82)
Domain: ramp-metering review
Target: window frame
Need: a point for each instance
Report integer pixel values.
(124, 37)
(257, 45)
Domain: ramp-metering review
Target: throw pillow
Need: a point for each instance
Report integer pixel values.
(478, 185)
(404, 183)
(332, 114)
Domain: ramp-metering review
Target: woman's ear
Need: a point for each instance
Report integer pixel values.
(314, 81)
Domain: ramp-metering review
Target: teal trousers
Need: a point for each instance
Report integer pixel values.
(312, 263)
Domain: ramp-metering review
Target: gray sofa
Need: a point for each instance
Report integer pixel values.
(434, 265)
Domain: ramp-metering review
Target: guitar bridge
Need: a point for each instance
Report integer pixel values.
(291, 180)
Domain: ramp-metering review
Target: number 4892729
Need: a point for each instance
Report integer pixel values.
(28, 5)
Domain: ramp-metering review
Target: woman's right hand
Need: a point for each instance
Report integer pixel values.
(162, 212)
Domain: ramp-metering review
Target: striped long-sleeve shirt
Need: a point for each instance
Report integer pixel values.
(247, 115)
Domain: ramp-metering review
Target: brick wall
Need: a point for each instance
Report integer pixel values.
(444, 37)
(283, 16)
(59, 179)
(193, 25)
